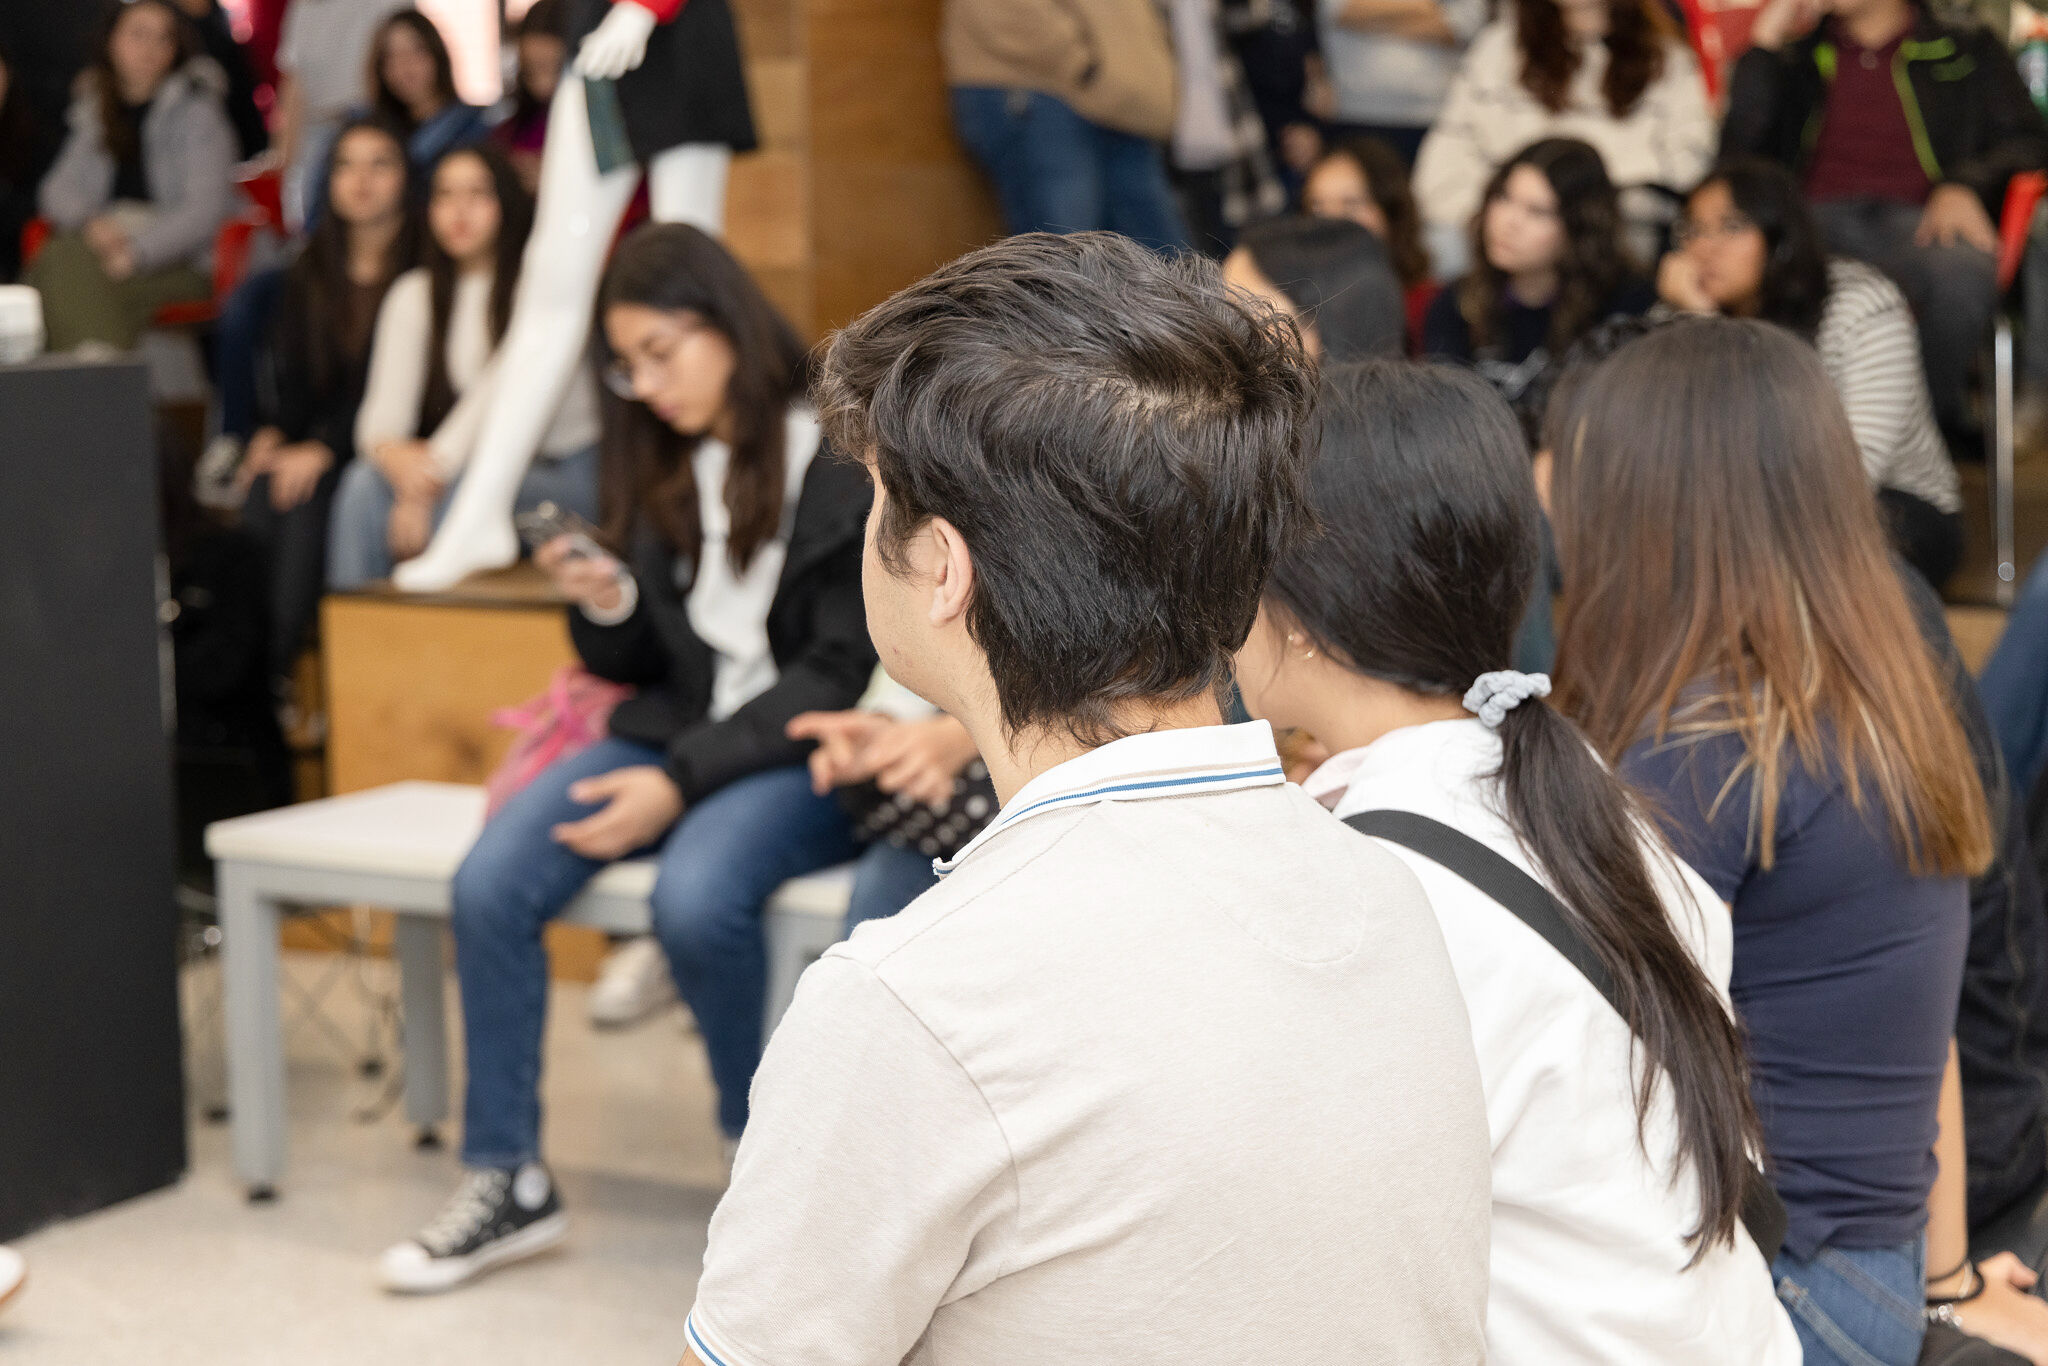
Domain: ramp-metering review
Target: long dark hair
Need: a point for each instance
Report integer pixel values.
(1429, 551)
(319, 281)
(1386, 180)
(515, 224)
(115, 130)
(382, 101)
(1639, 36)
(1795, 286)
(645, 468)
(1726, 573)
(1336, 275)
(1595, 261)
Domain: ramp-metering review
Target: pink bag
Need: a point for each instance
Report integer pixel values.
(567, 719)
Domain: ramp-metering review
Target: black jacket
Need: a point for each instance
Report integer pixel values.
(1973, 123)
(817, 631)
(690, 87)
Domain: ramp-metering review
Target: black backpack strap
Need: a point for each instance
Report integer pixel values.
(1530, 902)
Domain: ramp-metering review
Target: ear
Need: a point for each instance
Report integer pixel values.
(1541, 467)
(953, 572)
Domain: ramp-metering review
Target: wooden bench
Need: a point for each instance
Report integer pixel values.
(398, 847)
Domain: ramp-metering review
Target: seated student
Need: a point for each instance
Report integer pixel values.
(735, 605)
(1128, 1085)
(1620, 1145)
(1548, 264)
(1331, 276)
(433, 372)
(318, 359)
(542, 55)
(1732, 633)
(1611, 73)
(1749, 247)
(1903, 131)
(412, 86)
(911, 752)
(1364, 180)
(141, 187)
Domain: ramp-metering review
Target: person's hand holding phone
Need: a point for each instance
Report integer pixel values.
(583, 578)
(844, 738)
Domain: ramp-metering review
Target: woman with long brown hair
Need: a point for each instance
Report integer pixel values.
(727, 594)
(1548, 265)
(1612, 73)
(1733, 634)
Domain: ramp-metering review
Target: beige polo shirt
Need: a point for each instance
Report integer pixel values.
(1171, 1067)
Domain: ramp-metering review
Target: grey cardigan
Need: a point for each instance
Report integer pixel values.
(189, 151)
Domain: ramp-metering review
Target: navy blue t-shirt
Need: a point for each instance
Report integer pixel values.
(1846, 976)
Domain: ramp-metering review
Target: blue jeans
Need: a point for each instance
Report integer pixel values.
(888, 878)
(719, 865)
(2014, 684)
(1057, 172)
(358, 543)
(1856, 1306)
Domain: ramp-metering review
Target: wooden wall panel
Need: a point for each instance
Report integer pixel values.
(893, 194)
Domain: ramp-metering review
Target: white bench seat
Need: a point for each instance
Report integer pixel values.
(399, 847)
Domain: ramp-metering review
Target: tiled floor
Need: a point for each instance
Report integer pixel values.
(194, 1274)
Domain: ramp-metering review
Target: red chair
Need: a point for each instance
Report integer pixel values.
(2022, 194)
(1719, 33)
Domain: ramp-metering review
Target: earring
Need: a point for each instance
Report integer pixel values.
(1296, 640)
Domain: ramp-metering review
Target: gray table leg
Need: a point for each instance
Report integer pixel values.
(255, 1035)
(421, 969)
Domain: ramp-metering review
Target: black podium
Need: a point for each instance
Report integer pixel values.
(91, 1090)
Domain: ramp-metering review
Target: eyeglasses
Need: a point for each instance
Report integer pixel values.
(622, 375)
(1686, 231)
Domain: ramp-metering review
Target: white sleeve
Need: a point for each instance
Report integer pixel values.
(874, 1184)
(1876, 376)
(456, 437)
(397, 383)
(1688, 135)
(1452, 168)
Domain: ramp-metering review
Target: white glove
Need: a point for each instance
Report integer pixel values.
(617, 45)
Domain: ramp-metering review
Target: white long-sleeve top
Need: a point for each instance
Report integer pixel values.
(397, 385)
(1667, 139)
(1871, 348)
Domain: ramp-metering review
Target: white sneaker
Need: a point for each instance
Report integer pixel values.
(633, 983)
(13, 1274)
(495, 1217)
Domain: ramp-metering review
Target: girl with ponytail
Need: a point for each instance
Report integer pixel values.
(1622, 1133)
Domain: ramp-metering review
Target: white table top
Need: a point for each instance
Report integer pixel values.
(423, 830)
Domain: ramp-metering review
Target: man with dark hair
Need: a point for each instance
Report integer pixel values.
(1170, 1066)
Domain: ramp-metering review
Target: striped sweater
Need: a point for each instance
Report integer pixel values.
(1868, 342)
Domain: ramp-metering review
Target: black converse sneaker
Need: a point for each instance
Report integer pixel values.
(497, 1216)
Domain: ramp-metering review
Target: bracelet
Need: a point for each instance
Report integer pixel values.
(1955, 1270)
(1974, 1287)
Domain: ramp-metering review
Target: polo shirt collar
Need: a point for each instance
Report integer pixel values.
(1163, 763)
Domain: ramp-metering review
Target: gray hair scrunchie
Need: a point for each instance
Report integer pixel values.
(1492, 696)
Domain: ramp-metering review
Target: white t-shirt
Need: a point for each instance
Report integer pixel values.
(1169, 1068)
(727, 610)
(1588, 1233)
(397, 383)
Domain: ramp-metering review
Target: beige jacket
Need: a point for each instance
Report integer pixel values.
(1110, 59)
